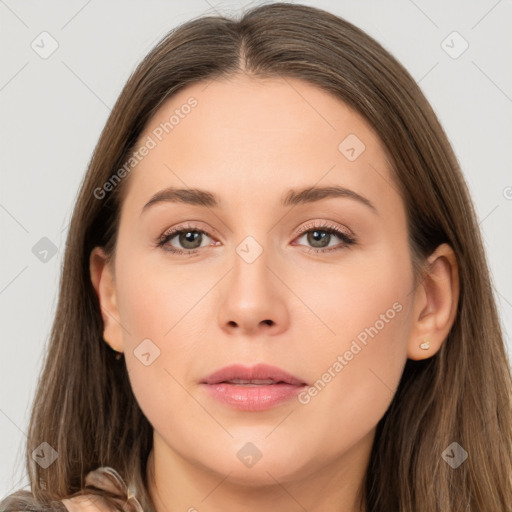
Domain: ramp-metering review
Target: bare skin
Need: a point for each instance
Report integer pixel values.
(249, 141)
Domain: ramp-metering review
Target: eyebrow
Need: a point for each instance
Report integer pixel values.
(198, 197)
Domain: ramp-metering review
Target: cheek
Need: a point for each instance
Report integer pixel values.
(156, 301)
(159, 308)
(360, 364)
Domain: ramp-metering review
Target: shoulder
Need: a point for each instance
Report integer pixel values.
(105, 479)
(86, 503)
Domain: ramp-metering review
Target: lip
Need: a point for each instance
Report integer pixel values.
(252, 396)
(259, 372)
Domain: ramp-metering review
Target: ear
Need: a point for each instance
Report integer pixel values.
(102, 277)
(435, 303)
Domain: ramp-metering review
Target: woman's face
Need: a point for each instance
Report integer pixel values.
(262, 277)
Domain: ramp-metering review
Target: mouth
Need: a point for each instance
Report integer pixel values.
(254, 388)
(259, 375)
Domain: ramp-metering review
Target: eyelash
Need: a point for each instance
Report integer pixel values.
(348, 240)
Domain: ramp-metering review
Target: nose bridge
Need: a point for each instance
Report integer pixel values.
(252, 243)
(250, 266)
(252, 296)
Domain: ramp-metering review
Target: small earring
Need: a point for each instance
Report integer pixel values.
(425, 345)
(118, 354)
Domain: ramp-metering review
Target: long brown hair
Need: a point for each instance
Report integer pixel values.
(84, 406)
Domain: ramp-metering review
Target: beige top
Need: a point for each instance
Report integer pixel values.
(88, 503)
(107, 479)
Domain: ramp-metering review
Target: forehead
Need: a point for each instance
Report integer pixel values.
(242, 135)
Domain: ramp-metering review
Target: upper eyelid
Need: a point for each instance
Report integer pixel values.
(324, 225)
(190, 226)
(306, 227)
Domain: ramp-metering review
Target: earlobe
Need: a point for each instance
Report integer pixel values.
(102, 277)
(435, 304)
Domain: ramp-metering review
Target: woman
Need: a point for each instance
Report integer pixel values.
(274, 293)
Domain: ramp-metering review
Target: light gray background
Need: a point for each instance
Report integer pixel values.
(54, 109)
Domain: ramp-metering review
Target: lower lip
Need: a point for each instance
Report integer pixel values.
(253, 398)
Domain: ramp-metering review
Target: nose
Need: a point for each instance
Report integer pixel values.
(253, 299)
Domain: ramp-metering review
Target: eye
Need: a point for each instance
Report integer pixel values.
(189, 238)
(321, 235)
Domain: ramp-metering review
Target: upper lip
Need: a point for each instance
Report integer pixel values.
(257, 372)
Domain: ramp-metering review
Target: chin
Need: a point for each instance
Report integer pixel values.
(250, 466)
